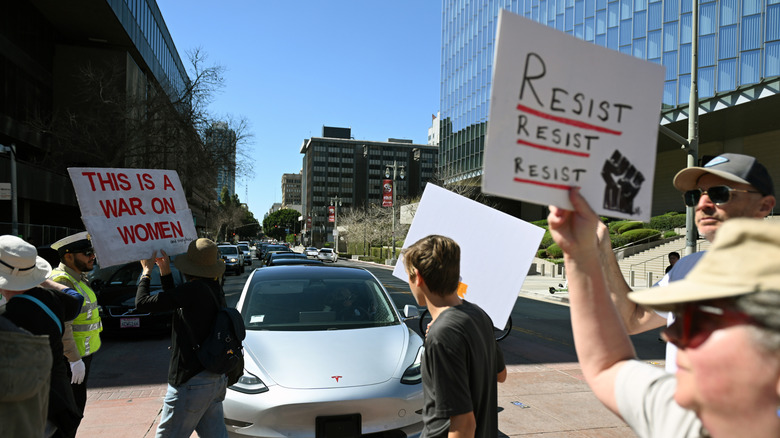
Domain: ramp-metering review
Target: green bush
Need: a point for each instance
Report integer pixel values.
(542, 253)
(540, 223)
(547, 240)
(670, 233)
(615, 225)
(630, 225)
(640, 234)
(668, 221)
(554, 251)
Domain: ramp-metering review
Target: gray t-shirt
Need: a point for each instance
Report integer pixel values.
(459, 371)
(645, 399)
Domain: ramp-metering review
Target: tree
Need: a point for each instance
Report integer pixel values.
(276, 224)
(115, 119)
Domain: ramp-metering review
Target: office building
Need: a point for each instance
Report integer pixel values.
(220, 140)
(291, 190)
(349, 172)
(738, 71)
(49, 50)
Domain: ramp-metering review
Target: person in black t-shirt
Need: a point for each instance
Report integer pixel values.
(462, 361)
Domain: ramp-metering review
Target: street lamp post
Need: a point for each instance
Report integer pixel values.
(395, 174)
(336, 203)
(14, 212)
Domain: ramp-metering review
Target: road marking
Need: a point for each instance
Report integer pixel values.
(541, 336)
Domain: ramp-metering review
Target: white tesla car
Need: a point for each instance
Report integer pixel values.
(326, 354)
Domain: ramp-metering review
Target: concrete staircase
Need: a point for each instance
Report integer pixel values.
(647, 267)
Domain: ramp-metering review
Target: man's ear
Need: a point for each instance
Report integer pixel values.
(767, 204)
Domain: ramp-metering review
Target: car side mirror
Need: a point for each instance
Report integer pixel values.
(411, 312)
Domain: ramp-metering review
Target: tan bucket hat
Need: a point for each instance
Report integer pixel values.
(744, 258)
(202, 259)
(20, 266)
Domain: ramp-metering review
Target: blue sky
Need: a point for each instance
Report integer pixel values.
(293, 67)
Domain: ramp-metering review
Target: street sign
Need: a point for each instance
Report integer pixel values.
(5, 191)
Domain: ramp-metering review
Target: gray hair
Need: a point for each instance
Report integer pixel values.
(764, 307)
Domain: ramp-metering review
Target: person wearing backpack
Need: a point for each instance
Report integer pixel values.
(194, 398)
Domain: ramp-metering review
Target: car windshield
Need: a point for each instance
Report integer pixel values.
(325, 251)
(316, 304)
(228, 250)
(244, 247)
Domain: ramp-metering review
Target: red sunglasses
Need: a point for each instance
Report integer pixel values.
(695, 322)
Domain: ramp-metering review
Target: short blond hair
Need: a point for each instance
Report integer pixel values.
(437, 260)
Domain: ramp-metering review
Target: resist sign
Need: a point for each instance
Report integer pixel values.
(564, 113)
(131, 213)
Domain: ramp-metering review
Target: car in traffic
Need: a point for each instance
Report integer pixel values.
(233, 257)
(272, 249)
(325, 350)
(280, 261)
(327, 255)
(247, 253)
(283, 255)
(311, 252)
(116, 301)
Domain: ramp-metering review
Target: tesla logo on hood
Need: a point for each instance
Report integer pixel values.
(336, 377)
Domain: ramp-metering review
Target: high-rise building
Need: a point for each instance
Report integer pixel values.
(221, 142)
(46, 50)
(340, 169)
(738, 71)
(291, 190)
(433, 131)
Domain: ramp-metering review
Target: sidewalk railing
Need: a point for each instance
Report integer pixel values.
(39, 235)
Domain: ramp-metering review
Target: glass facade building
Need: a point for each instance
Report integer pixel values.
(739, 47)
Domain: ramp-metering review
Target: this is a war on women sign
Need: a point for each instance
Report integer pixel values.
(568, 113)
(131, 213)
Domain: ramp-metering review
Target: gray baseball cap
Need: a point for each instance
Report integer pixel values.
(733, 167)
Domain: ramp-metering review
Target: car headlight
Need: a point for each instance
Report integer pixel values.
(413, 374)
(249, 384)
(233, 260)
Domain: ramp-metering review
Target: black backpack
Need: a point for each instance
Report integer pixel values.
(221, 352)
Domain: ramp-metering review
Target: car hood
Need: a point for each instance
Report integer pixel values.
(328, 359)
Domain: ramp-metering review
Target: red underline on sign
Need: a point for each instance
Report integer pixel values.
(552, 149)
(539, 183)
(564, 120)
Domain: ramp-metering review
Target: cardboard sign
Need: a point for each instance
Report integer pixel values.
(565, 113)
(130, 213)
(490, 278)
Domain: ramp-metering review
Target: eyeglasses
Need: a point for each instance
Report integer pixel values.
(87, 252)
(718, 194)
(694, 323)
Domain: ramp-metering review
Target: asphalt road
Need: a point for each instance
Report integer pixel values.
(541, 334)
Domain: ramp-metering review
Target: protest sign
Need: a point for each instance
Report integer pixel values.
(130, 213)
(565, 112)
(496, 249)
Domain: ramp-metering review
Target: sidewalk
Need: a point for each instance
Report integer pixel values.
(537, 400)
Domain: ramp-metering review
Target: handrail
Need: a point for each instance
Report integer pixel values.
(640, 241)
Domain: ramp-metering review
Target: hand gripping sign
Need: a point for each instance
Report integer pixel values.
(566, 113)
(132, 212)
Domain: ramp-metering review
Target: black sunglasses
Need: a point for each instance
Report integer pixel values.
(718, 194)
(87, 252)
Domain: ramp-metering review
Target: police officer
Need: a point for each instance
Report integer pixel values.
(82, 336)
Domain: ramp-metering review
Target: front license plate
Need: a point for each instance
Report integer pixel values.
(338, 426)
(129, 322)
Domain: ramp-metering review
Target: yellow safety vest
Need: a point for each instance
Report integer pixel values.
(87, 326)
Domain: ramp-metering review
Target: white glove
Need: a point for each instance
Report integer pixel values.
(79, 370)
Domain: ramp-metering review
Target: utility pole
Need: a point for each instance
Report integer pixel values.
(693, 126)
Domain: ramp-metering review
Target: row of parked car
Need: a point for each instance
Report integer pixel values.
(355, 366)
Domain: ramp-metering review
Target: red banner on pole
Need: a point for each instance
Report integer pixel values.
(331, 213)
(387, 193)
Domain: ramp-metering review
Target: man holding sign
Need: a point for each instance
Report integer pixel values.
(462, 361)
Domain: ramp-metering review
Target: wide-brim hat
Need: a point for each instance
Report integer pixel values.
(20, 266)
(733, 167)
(78, 242)
(744, 258)
(202, 259)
